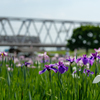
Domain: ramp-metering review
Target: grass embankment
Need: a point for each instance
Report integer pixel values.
(80, 52)
(26, 84)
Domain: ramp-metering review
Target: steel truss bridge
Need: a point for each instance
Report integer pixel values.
(37, 32)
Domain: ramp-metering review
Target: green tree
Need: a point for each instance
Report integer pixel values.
(87, 37)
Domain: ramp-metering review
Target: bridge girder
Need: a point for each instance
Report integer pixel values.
(46, 30)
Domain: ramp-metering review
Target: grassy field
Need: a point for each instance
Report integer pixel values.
(80, 52)
(23, 83)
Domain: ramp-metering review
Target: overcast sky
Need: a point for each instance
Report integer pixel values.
(85, 10)
(82, 10)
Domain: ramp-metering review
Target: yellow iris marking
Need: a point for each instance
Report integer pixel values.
(2, 54)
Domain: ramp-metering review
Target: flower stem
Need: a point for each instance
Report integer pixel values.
(50, 76)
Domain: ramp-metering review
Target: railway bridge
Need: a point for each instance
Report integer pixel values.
(35, 32)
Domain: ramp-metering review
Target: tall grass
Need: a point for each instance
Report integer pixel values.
(25, 83)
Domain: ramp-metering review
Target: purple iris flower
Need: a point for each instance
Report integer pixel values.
(98, 56)
(26, 64)
(44, 61)
(94, 55)
(71, 60)
(77, 60)
(84, 59)
(3, 54)
(62, 68)
(87, 71)
(49, 67)
(91, 60)
(76, 71)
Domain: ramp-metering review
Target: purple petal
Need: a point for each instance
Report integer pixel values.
(77, 60)
(85, 60)
(94, 55)
(54, 69)
(26, 63)
(61, 63)
(51, 65)
(91, 62)
(92, 72)
(22, 65)
(98, 57)
(74, 72)
(68, 60)
(61, 69)
(84, 70)
(40, 72)
(66, 68)
(88, 71)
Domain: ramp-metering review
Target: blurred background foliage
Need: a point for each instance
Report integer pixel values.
(85, 37)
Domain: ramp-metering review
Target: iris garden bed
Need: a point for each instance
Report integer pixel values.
(68, 79)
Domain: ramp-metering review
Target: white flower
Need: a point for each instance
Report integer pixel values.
(97, 50)
(74, 68)
(67, 63)
(56, 55)
(44, 55)
(18, 65)
(75, 76)
(10, 69)
(96, 79)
